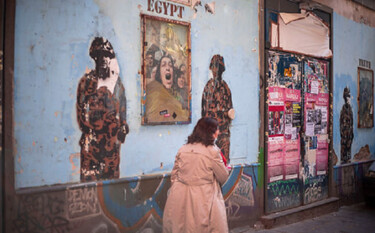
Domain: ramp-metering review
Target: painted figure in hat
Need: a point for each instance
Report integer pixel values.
(217, 103)
(346, 128)
(101, 114)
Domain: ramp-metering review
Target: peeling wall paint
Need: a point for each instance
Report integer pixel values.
(351, 10)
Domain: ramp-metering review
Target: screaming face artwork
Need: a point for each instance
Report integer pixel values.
(166, 79)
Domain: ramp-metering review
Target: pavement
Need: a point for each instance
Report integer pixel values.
(356, 218)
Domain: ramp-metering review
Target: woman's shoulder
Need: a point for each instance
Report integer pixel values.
(200, 149)
(214, 150)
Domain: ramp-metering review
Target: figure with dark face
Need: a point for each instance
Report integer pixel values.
(180, 86)
(161, 104)
(150, 61)
(101, 114)
(217, 103)
(346, 128)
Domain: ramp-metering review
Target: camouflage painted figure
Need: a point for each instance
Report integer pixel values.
(101, 114)
(346, 128)
(217, 103)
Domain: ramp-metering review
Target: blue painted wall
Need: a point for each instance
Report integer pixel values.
(52, 38)
(351, 41)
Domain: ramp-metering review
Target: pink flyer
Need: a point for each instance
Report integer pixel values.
(322, 155)
(322, 99)
(276, 94)
(291, 159)
(310, 97)
(292, 95)
(275, 158)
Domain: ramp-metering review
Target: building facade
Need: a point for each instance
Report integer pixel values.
(91, 151)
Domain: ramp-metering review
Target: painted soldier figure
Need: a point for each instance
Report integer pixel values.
(217, 103)
(101, 114)
(346, 128)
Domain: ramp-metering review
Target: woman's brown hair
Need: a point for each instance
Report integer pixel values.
(203, 132)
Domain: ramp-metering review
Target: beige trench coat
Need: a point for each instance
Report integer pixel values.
(195, 203)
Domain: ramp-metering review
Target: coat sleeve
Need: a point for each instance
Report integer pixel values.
(219, 169)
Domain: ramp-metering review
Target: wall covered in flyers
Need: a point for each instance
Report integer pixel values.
(284, 116)
(297, 104)
(316, 118)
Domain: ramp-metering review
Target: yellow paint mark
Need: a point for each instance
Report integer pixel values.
(169, 132)
(160, 135)
(19, 172)
(55, 139)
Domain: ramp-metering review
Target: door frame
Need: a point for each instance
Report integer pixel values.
(323, 12)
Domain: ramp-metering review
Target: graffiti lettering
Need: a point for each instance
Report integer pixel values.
(285, 201)
(41, 213)
(82, 202)
(313, 193)
(243, 193)
(165, 8)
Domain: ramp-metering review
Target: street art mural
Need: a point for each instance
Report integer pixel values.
(217, 103)
(101, 114)
(132, 205)
(346, 128)
(166, 77)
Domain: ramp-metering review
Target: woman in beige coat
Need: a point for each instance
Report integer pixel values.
(195, 203)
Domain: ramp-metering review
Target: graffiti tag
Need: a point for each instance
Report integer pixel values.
(82, 202)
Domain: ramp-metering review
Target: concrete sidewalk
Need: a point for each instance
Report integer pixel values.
(349, 219)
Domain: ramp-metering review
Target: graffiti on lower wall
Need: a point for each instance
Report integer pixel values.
(42, 213)
(132, 205)
(239, 193)
(82, 202)
(315, 188)
(283, 194)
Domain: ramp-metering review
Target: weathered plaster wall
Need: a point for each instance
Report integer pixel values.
(348, 182)
(351, 10)
(52, 39)
(351, 41)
